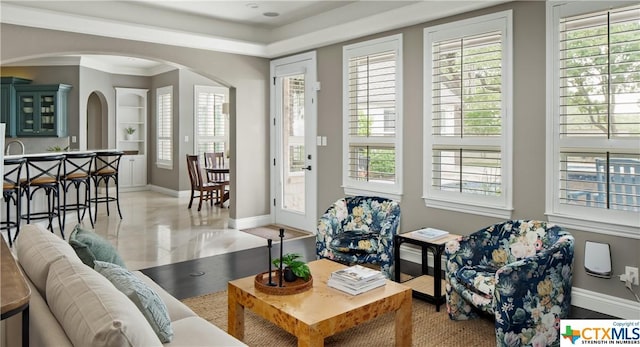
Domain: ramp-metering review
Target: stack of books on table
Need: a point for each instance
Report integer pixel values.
(429, 233)
(356, 279)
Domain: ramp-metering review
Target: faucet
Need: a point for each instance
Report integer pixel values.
(8, 146)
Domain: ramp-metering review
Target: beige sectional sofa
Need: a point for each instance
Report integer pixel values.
(73, 305)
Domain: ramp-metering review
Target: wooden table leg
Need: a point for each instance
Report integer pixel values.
(309, 337)
(235, 316)
(404, 328)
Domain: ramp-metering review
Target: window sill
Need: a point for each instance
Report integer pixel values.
(465, 207)
(164, 166)
(359, 192)
(584, 224)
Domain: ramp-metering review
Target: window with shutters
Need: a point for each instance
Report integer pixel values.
(467, 121)
(211, 123)
(164, 121)
(594, 180)
(372, 116)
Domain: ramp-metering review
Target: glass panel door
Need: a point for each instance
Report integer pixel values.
(293, 123)
(294, 175)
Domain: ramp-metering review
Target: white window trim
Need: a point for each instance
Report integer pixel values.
(352, 187)
(609, 222)
(164, 164)
(210, 89)
(502, 206)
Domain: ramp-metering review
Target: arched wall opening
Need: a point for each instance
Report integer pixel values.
(248, 81)
(97, 117)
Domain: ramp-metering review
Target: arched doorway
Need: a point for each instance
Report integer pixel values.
(97, 117)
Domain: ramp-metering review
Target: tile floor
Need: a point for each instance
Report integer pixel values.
(158, 229)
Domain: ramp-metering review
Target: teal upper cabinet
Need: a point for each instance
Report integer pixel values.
(8, 103)
(41, 110)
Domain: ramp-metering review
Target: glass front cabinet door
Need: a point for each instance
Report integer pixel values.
(42, 110)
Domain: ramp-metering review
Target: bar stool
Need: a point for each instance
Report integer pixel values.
(11, 193)
(43, 174)
(77, 173)
(106, 169)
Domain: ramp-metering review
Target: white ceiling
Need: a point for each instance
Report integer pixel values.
(229, 26)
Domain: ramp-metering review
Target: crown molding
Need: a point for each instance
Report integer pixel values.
(419, 12)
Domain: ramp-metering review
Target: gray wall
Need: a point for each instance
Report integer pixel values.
(246, 76)
(529, 140)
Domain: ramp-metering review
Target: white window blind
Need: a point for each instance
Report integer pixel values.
(599, 94)
(372, 83)
(211, 124)
(165, 127)
(467, 92)
(466, 88)
(597, 115)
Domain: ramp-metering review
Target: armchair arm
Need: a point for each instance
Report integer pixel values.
(535, 292)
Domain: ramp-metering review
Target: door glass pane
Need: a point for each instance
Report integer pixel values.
(293, 173)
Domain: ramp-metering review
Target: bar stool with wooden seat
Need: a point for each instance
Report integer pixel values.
(105, 170)
(11, 193)
(77, 174)
(43, 174)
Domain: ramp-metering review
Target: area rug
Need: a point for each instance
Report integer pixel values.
(272, 231)
(430, 328)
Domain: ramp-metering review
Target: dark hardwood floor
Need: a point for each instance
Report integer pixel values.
(211, 274)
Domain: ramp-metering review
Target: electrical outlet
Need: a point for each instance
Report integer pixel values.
(631, 273)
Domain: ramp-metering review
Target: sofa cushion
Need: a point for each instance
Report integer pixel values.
(479, 279)
(195, 331)
(36, 249)
(91, 247)
(92, 311)
(356, 241)
(145, 298)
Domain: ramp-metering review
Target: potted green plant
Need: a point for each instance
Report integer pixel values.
(292, 267)
(129, 132)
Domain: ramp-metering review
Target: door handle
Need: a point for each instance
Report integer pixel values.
(307, 168)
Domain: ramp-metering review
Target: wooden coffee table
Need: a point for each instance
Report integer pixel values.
(321, 311)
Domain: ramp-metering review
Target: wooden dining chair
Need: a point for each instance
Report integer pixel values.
(216, 160)
(205, 189)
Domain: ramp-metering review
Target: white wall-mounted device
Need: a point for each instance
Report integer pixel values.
(597, 259)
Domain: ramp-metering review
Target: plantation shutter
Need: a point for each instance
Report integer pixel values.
(210, 121)
(599, 74)
(599, 114)
(467, 112)
(165, 127)
(372, 117)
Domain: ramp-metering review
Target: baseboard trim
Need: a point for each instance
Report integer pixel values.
(603, 303)
(587, 299)
(167, 191)
(251, 222)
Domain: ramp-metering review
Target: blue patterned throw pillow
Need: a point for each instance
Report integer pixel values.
(144, 297)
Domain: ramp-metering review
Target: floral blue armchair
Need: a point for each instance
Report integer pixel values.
(519, 271)
(359, 230)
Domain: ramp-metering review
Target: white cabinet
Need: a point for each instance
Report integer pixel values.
(133, 171)
(131, 136)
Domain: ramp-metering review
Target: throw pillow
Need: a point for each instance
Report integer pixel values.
(145, 298)
(90, 247)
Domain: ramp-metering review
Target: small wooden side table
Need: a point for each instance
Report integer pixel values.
(15, 292)
(426, 287)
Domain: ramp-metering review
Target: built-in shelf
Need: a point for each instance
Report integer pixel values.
(131, 112)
